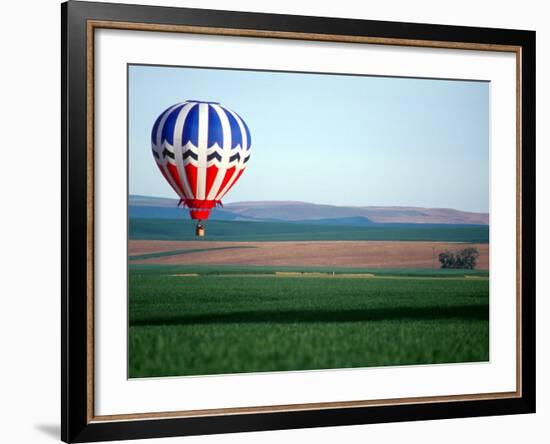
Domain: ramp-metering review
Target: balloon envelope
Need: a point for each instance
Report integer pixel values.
(201, 149)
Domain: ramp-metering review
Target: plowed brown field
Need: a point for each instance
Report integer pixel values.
(367, 254)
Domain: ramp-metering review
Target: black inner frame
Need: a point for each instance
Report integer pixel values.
(74, 423)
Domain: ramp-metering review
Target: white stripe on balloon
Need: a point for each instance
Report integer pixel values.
(202, 147)
(225, 152)
(179, 148)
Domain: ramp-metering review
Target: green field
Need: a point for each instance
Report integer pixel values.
(165, 229)
(247, 319)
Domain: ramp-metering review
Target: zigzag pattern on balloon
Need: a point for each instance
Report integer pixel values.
(190, 155)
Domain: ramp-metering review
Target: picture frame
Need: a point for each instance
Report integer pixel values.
(80, 21)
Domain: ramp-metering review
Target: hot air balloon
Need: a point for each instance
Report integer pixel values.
(201, 149)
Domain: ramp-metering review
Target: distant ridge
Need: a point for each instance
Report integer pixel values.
(290, 211)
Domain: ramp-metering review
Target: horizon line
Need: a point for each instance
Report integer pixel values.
(323, 204)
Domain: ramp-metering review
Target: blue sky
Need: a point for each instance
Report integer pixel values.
(331, 139)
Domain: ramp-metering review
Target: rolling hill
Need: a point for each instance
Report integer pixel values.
(145, 207)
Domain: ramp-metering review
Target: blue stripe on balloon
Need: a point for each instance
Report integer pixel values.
(156, 126)
(190, 130)
(169, 125)
(191, 126)
(236, 136)
(155, 129)
(248, 138)
(215, 131)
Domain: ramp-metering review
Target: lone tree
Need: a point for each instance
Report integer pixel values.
(466, 258)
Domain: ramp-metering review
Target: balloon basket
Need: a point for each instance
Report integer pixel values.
(199, 230)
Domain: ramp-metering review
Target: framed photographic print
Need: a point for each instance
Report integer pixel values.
(275, 221)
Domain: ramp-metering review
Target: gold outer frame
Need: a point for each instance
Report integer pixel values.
(92, 25)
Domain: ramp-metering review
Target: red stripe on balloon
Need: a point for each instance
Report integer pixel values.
(211, 173)
(192, 176)
(161, 168)
(235, 181)
(176, 178)
(226, 178)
